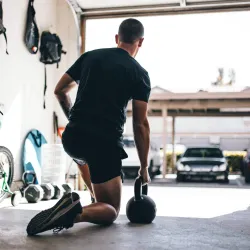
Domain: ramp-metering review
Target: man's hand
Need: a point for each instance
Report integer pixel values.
(143, 172)
(65, 84)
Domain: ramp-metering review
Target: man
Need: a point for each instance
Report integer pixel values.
(108, 79)
(84, 170)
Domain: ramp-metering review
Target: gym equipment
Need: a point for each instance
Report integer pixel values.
(49, 191)
(46, 191)
(6, 174)
(6, 166)
(140, 208)
(16, 198)
(34, 193)
(59, 191)
(68, 187)
(28, 178)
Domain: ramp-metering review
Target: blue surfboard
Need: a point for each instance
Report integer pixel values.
(32, 154)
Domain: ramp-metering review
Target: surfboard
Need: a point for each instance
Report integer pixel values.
(32, 151)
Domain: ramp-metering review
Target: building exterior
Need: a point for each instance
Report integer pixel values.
(229, 133)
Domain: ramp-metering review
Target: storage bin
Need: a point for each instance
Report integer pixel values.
(54, 163)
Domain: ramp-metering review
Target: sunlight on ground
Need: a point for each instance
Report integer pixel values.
(189, 202)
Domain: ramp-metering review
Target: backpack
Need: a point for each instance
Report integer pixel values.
(31, 37)
(51, 48)
(51, 52)
(2, 28)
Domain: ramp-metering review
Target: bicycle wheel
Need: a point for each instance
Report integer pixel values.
(7, 166)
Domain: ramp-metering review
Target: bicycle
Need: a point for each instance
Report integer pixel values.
(7, 173)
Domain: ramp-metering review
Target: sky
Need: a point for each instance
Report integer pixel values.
(182, 53)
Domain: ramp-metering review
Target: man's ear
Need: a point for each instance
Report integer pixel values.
(116, 39)
(140, 42)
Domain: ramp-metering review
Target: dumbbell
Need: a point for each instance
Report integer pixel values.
(68, 187)
(49, 191)
(35, 193)
(59, 191)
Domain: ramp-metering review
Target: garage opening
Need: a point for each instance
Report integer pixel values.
(194, 53)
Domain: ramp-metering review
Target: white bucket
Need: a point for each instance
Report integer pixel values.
(54, 163)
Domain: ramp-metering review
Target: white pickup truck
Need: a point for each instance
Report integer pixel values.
(131, 164)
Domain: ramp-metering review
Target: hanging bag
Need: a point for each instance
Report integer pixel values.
(51, 48)
(31, 37)
(51, 52)
(2, 28)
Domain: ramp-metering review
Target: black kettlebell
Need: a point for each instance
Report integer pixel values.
(141, 208)
(29, 177)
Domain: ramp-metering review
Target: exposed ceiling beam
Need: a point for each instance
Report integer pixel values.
(172, 8)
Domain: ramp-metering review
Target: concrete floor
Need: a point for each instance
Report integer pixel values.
(193, 216)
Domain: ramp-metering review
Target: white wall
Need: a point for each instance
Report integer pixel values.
(68, 31)
(22, 75)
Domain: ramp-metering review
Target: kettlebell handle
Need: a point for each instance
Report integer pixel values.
(139, 189)
(27, 173)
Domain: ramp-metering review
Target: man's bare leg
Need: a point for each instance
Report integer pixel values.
(107, 206)
(84, 169)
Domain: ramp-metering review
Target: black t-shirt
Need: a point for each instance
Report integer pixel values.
(108, 79)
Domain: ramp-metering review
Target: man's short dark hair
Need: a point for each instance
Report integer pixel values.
(130, 30)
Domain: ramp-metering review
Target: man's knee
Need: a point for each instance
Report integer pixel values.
(109, 192)
(108, 214)
(113, 214)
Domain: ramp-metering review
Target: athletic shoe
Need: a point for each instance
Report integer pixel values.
(60, 216)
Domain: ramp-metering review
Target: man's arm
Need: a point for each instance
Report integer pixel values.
(140, 95)
(142, 135)
(62, 89)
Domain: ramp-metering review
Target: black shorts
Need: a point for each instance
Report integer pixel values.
(104, 158)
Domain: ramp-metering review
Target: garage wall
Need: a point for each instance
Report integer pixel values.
(68, 32)
(22, 75)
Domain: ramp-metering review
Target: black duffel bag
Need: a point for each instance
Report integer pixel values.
(31, 31)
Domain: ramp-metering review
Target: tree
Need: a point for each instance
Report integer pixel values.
(220, 79)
